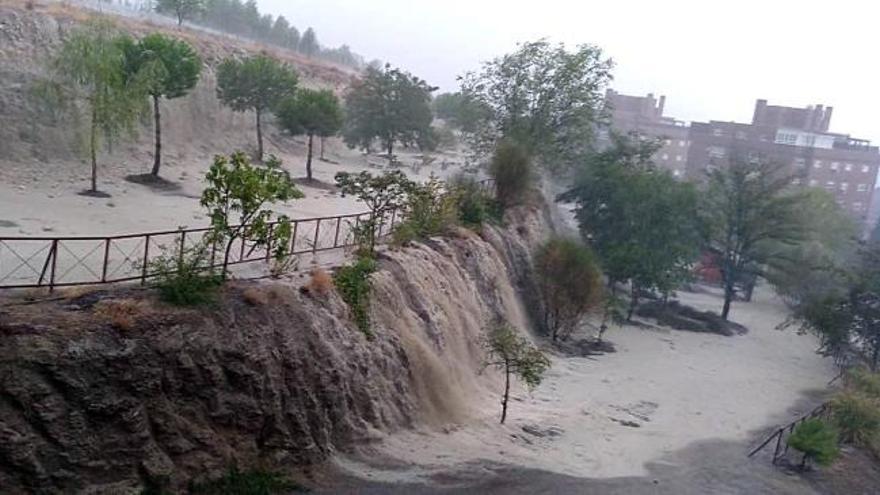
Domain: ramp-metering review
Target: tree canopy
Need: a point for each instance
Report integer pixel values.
(183, 10)
(256, 84)
(168, 68)
(544, 97)
(390, 105)
(313, 113)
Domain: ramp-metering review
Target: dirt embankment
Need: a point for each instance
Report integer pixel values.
(278, 378)
(37, 141)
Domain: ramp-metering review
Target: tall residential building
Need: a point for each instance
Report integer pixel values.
(797, 138)
(644, 115)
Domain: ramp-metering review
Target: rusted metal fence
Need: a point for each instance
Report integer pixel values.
(778, 437)
(30, 262)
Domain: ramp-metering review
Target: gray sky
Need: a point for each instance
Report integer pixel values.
(712, 59)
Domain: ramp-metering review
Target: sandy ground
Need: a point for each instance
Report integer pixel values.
(618, 415)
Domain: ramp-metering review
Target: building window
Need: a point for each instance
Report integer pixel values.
(844, 186)
(800, 162)
(678, 158)
(848, 167)
(813, 182)
(740, 135)
(668, 142)
(865, 169)
(786, 138)
(676, 173)
(681, 144)
(716, 152)
(834, 166)
(665, 156)
(829, 184)
(858, 206)
(862, 187)
(817, 164)
(796, 181)
(717, 132)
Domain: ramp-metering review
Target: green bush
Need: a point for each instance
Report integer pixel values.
(183, 278)
(816, 440)
(353, 284)
(512, 170)
(256, 482)
(866, 382)
(856, 417)
(430, 210)
(473, 204)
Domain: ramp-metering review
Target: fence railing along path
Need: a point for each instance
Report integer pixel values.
(32, 262)
(778, 437)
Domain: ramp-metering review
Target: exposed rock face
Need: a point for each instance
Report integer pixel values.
(85, 407)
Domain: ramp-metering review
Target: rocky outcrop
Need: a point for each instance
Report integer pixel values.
(283, 379)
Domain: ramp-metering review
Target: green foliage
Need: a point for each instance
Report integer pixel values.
(389, 105)
(514, 355)
(353, 284)
(167, 68)
(381, 194)
(865, 382)
(183, 10)
(255, 482)
(542, 96)
(856, 417)
(570, 284)
(512, 170)
(308, 44)
(641, 222)
(312, 113)
(474, 204)
(88, 71)
(816, 440)
(236, 187)
(184, 278)
(748, 208)
(461, 111)
(430, 209)
(256, 84)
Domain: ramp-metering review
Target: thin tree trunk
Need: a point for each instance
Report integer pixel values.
(93, 145)
(322, 148)
(226, 256)
(309, 158)
(728, 298)
(633, 300)
(506, 391)
(259, 137)
(391, 151)
(157, 153)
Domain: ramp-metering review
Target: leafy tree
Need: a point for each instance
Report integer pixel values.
(89, 68)
(183, 10)
(169, 68)
(748, 208)
(816, 440)
(381, 194)
(256, 83)
(542, 96)
(235, 187)
(353, 283)
(430, 209)
(389, 105)
(569, 282)
(512, 170)
(313, 113)
(514, 355)
(641, 222)
(308, 44)
(460, 111)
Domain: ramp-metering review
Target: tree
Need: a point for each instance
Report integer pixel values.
(313, 113)
(542, 96)
(89, 68)
(514, 355)
(255, 83)
(569, 282)
(389, 105)
(169, 68)
(748, 208)
(181, 9)
(381, 194)
(235, 187)
(461, 111)
(641, 222)
(512, 171)
(308, 43)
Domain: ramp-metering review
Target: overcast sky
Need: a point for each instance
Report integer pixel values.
(711, 59)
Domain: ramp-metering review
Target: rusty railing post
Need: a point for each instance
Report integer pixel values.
(317, 230)
(293, 236)
(336, 236)
(146, 259)
(106, 260)
(54, 263)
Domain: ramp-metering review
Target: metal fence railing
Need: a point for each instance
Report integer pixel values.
(779, 435)
(29, 262)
